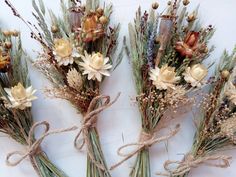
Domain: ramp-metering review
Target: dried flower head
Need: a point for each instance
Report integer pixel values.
(195, 74)
(95, 66)
(64, 52)
(174, 97)
(76, 15)
(164, 77)
(74, 79)
(155, 5)
(187, 47)
(92, 28)
(186, 2)
(192, 17)
(18, 97)
(231, 92)
(4, 61)
(228, 127)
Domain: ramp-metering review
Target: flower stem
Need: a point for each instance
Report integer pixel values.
(184, 175)
(142, 165)
(98, 157)
(46, 168)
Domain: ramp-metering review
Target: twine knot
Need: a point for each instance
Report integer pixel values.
(89, 121)
(193, 162)
(146, 140)
(34, 145)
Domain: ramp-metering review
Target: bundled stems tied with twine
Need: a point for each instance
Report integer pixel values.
(146, 141)
(33, 148)
(190, 162)
(89, 127)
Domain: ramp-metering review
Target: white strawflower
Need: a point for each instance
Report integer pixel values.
(18, 97)
(164, 78)
(95, 66)
(195, 75)
(64, 52)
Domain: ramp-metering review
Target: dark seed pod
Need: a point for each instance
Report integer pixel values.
(8, 45)
(155, 5)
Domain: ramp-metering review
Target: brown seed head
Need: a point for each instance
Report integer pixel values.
(100, 11)
(15, 33)
(6, 33)
(103, 20)
(186, 2)
(155, 5)
(225, 74)
(8, 45)
(54, 29)
(191, 17)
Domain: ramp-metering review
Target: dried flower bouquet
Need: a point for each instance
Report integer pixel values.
(78, 54)
(16, 96)
(216, 128)
(166, 52)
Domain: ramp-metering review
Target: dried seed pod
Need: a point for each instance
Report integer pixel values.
(206, 50)
(186, 2)
(165, 28)
(225, 74)
(76, 15)
(169, 3)
(6, 33)
(191, 17)
(54, 29)
(15, 33)
(100, 12)
(8, 45)
(103, 20)
(157, 40)
(155, 5)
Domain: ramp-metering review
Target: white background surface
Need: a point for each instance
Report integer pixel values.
(123, 117)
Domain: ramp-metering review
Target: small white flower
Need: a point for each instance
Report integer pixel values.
(95, 66)
(231, 92)
(164, 78)
(74, 79)
(18, 97)
(195, 74)
(64, 52)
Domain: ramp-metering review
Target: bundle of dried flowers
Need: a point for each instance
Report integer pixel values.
(78, 53)
(166, 51)
(216, 128)
(16, 96)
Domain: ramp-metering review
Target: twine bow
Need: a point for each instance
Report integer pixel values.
(191, 162)
(146, 140)
(89, 121)
(34, 145)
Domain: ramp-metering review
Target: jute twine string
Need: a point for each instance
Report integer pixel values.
(190, 162)
(89, 121)
(33, 147)
(146, 140)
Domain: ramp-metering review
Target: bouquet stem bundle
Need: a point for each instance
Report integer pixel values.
(216, 129)
(78, 53)
(166, 51)
(16, 95)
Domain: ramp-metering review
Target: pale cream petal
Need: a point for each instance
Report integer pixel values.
(105, 72)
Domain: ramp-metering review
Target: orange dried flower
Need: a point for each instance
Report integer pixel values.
(187, 47)
(4, 61)
(92, 28)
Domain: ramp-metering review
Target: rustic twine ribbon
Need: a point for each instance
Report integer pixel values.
(89, 121)
(191, 162)
(34, 145)
(146, 140)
